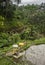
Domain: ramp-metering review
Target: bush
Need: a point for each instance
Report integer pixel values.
(7, 40)
(3, 43)
(14, 38)
(25, 34)
(4, 35)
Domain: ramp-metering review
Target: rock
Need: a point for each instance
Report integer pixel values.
(36, 54)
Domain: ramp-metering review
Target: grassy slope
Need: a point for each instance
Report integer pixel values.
(4, 61)
(28, 44)
(39, 41)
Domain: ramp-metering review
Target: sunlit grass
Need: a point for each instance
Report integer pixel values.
(39, 41)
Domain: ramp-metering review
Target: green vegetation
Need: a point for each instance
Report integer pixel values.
(39, 41)
(21, 24)
(4, 61)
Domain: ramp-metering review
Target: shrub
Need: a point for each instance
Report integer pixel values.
(25, 34)
(4, 35)
(3, 43)
(15, 38)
